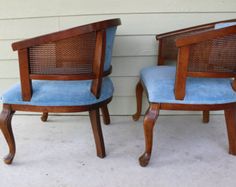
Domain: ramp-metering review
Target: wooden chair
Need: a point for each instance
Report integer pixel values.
(65, 71)
(168, 55)
(202, 80)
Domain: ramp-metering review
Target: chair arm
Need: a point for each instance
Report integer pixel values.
(68, 33)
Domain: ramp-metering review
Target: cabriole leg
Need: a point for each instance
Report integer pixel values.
(5, 125)
(148, 124)
(97, 132)
(139, 94)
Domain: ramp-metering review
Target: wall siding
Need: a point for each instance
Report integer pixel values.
(135, 46)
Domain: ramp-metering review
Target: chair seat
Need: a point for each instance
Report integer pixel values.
(159, 83)
(59, 93)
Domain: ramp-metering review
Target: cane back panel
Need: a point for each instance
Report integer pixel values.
(69, 56)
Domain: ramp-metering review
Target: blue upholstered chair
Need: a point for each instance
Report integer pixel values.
(65, 71)
(204, 78)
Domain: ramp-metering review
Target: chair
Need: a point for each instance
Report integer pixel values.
(65, 71)
(201, 81)
(168, 54)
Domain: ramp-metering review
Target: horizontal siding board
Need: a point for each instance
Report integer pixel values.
(149, 24)
(44, 8)
(9, 69)
(131, 66)
(124, 86)
(135, 46)
(6, 52)
(25, 28)
(132, 24)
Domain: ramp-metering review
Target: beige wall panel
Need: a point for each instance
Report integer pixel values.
(35, 8)
(124, 86)
(6, 52)
(25, 28)
(131, 66)
(135, 46)
(146, 24)
(132, 24)
(9, 69)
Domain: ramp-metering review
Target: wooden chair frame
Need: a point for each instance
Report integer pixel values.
(182, 73)
(26, 83)
(162, 59)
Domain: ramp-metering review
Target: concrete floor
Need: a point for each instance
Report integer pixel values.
(61, 153)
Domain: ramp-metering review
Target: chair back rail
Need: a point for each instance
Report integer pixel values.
(73, 54)
(167, 49)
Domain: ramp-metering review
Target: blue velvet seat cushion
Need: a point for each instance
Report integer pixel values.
(159, 82)
(59, 93)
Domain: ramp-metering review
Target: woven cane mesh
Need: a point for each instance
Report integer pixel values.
(217, 55)
(169, 49)
(69, 56)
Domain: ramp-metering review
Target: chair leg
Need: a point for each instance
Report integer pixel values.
(105, 115)
(230, 118)
(139, 94)
(205, 116)
(5, 126)
(44, 117)
(97, 132)
(149, 122)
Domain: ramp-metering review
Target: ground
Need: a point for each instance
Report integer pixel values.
(61, 153)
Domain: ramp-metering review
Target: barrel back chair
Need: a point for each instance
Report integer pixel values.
(65, 71)
(203, 80)
(168, 55)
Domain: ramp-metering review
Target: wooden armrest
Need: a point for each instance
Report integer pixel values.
(191, 29)
(65, 34)
(208, 35)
